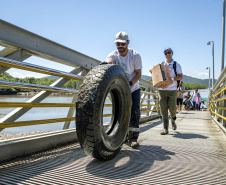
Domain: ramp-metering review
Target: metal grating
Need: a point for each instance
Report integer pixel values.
(194, 154)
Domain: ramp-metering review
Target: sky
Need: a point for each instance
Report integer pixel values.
(90, 26)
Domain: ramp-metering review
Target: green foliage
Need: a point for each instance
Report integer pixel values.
(71, 84)
(194, 86)
(5, 76)
(194, 83)
(150, 80)
(29, 80)
(6, 90)
(186, 79)
(44, 81)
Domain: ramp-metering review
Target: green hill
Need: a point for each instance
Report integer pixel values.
(52, 77)
(186, 79)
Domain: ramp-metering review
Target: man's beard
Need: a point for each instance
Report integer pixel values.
(121, 49)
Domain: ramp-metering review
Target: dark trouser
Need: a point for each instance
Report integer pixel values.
(197, 106)
(194, 105)
(135, 116)
(179, 101)
(168, 100)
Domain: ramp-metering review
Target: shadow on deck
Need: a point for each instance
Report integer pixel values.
(193, 154)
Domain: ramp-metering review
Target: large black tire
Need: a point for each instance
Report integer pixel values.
(94, 138)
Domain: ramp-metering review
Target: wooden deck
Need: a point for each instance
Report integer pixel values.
(193, 154)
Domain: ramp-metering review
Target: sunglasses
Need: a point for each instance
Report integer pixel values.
(120, 44)
(168, 52)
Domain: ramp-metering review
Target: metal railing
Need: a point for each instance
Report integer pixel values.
(217, 101)
(19, 45)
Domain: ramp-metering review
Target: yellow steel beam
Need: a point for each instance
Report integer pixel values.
(218, 115)
(148, 105)
(142, 105)
(38, 122)
(219, 92)
(154, 110)
(107, 115)
(108, 105)
(34, 122)
(28, 104)
(219, 100)
(149, 93)
(222, 108)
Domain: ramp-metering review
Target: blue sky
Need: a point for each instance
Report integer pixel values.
(89, 27)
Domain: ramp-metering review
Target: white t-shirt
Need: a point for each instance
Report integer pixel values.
(194, 95)
(172, 86)
(131, 62)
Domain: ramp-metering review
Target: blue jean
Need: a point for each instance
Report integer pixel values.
(194, 105)
(135, 116)
(198, 106)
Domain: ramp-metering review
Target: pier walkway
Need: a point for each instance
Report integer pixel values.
(193, 154)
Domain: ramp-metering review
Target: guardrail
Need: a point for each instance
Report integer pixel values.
(217, 101)
(19, 45)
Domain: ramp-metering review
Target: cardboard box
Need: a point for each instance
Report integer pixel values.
(161, 75)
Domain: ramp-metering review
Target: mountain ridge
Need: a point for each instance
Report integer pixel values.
(187, 79)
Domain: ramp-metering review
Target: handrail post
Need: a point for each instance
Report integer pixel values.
(74, 99)
(224, 111)
(18, 112)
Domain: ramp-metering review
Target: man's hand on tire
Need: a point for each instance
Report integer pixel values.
(103, 63)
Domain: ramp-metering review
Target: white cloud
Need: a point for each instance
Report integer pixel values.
(200, 75)
(21, 74)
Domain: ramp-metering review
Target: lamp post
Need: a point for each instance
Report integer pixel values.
(209, 77)
(208, 43)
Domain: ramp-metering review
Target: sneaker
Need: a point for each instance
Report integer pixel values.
(134, 144)
(165, 132)
(174, 126)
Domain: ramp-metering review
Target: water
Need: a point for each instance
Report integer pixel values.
(43, 113)
(49, 113)
(38, 113)
(204, 93)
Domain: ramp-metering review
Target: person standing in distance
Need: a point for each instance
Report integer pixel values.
(180, 92)
(194, 95)
(168, 93)
(131, 62)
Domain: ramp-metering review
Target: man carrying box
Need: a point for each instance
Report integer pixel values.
(168, 92)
